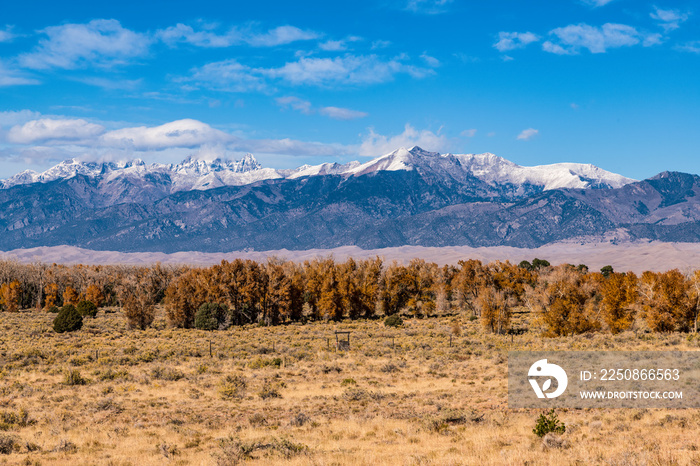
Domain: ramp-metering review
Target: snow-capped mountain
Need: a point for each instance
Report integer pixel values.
(196, 174)
(408, 197)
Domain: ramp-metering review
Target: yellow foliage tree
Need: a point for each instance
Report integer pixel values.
(618, 294)
(50, 295)
(70, 296)
(94, 295)
(10, 294)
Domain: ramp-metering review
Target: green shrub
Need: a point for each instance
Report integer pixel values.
(53, 309)
(347, 382)
(393, 320)
(68, 320)
(548, 422)
(87, 309)
(210, 316)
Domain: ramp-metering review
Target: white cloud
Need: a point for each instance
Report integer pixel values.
(333, 46)
(180, 133)
(112, 84)
(280, 36)
(183, 33)
(692, 46)
(101, 42)
(468, 133)
(305, 107)
(46, 129)
(6, 35)
(295, 103)
(51, 140)
(338, 113)
(11, 77)
(346, 70)
(430, 61)
(652, 39)
(428, 7)
(570, 39)
(669, 19)
(376, 144)
(597, 3)
(514, 40)
(227, 75)
(290, 147)
(528, 134)
(380, 44)
(12, 118)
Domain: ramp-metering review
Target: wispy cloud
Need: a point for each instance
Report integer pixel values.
(380, 44)
(207, 37)
(339, 113)
(430, 60)
(227, 76)
(46, 129)
(527, 134)
(6, 35)
(111, 84)
(295, 103)
(571, 39)
(305, 107)
(346, 70)
(428, 7)
(468, 133)
(333, 46)
(597, 3)
(692, 46)
(375, 144)
(514, 40)
(12, 118)
(101, 42)
(232, 76)
(669, 19)
(281, 35)
(13, 77)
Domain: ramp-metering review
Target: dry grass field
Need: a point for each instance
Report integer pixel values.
(266, 395)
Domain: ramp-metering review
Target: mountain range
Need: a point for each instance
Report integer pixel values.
(407, 197)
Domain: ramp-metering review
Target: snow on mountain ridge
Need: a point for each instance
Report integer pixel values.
(198, 174)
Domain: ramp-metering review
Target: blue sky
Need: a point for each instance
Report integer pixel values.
(608, 82)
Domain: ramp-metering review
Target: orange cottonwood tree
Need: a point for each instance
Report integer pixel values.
(618, 294)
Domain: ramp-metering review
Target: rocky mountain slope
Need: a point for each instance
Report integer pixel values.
(407, 197)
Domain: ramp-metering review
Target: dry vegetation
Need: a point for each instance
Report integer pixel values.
(110, 395)
(137, 385)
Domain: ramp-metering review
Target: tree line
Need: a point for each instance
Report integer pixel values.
(563, 300)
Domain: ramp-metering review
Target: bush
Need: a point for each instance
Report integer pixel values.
(53, 309)
(393, 321)
(269, 390)
(233, 386)
(210, 316)
(68, 319)
(74, 378)
(548, 422)
(87, 309)
(8, 444)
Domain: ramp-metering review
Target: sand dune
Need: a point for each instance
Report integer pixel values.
(636, 257)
